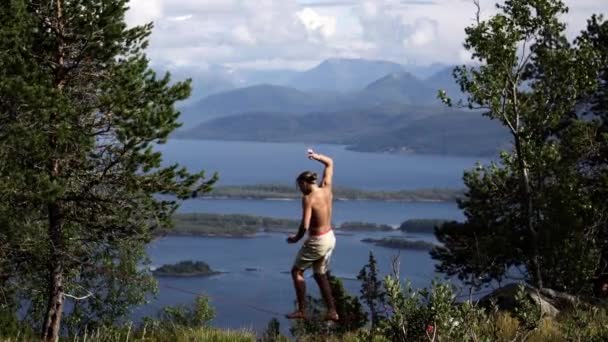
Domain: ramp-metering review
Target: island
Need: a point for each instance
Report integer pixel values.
(187, 268)
(278, 191)
(401, 243)
(365, 226)
(246, 226)
(426, 226)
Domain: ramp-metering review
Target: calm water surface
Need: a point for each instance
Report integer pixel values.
(249, 299)
(261, 163)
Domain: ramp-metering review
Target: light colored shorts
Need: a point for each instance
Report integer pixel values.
(316, 252)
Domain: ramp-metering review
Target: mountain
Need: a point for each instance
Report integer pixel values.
(393, 90)
(424, 71)
(444, 79)
(398, 88)
(259, 98)
(333, 127)
(411, 129)
(274, 77)
(343, 75)
(206, 80)
(457, 133)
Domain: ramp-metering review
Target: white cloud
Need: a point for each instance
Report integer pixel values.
(325, 26)
(143, 11)
(180, 18)
(424, 33)
(292, 33)
(242, 35)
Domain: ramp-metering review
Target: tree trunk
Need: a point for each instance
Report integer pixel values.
(527, 199)
(52, 320)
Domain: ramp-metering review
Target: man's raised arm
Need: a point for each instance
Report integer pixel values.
(328, 173)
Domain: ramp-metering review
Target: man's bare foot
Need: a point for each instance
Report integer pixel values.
(296, 315)
(332, 316)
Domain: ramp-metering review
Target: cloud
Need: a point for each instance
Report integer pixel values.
(143, 11)
(292, 33)
(180, 18)
(328, 3)
(324, 26)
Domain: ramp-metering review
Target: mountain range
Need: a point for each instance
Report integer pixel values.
(371, 106)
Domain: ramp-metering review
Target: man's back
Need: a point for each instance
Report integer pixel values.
(321, 203)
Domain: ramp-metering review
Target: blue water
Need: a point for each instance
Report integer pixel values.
(393, 213)
(261, 163)
(249, 299)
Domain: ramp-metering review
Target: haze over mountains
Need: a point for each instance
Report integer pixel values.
(371, 106)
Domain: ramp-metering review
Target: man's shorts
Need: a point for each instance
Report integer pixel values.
(316, 252)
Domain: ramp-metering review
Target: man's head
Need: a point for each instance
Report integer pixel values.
(306, 180)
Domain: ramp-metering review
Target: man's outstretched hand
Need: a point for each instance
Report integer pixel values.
(312, 155)
(292, 239)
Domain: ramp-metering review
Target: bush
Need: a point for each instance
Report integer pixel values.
(350, 310)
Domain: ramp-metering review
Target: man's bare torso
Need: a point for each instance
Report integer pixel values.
(321, 203)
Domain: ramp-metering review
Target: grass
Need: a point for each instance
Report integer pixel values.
(127, 334)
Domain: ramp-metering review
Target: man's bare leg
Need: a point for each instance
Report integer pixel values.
(323, 282)
(299, 283)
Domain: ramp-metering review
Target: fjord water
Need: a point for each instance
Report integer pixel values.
(240, 163)
(256, 286)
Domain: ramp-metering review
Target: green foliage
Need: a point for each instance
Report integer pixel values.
(401, 243)
(350, 311)
(227, 225)
(526, 311)
(421, 225)
(188, 267)
(435, 314)
(539, 209)
(199, 315)
(365, 226)
(372, 293)
(273, 332)
(80, 116)
(586, 324)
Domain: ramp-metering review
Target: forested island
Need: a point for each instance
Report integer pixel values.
(187, 268)
(365, 226)
(279, 191)
(237, 225)
(401, 243)
(426, 226)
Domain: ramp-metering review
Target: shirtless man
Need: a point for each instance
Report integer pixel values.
(316, 251)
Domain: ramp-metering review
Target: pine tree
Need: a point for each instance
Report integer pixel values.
(80, 114)
(372, 292)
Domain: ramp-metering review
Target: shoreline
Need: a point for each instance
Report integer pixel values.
(186, 275)
(341, 199)
(281, 192)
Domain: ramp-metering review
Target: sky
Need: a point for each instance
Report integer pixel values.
(298, 34)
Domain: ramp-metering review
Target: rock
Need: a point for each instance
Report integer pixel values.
(551, 302)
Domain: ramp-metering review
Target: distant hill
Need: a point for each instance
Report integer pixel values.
(444, 79)
(259, 98)
(423, 130)
(457, 133)
(396, 112)
(343, 74)
(397, 88)
(393, 89)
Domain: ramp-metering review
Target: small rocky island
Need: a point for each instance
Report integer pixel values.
(401, 243)
(185, 269)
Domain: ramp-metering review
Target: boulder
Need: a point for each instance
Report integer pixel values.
(551, 302)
